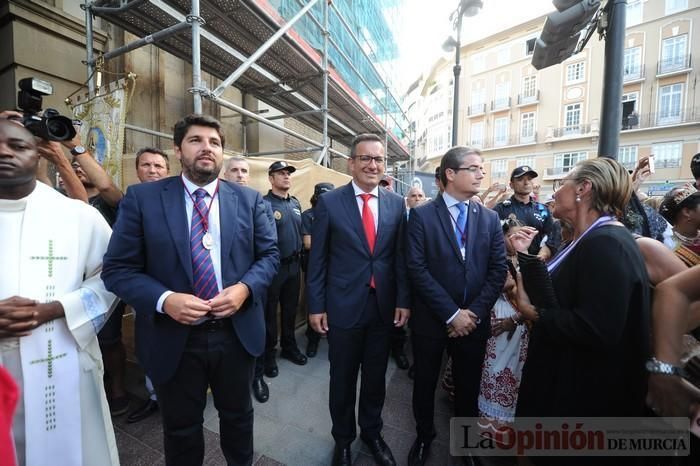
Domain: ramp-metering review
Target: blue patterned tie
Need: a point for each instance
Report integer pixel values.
(461, 225)
(202, 268)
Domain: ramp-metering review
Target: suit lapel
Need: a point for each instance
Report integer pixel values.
(173, 198)
(228, 212)
(353, 214)
(472, 221)
(446, 221)
(383, 216)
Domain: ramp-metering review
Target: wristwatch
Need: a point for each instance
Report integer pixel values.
(77, 150)
(654, 366)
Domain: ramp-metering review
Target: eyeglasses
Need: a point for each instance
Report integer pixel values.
(470, 169)
(367, 159)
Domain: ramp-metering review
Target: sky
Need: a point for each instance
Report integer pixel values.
(426, 25)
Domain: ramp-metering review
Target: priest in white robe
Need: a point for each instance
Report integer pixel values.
(52, 304)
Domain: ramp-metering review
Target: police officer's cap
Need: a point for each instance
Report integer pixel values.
(280, 165)
(321, 188)
(522, 171)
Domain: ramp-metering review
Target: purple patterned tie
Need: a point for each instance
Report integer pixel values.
(202, 268)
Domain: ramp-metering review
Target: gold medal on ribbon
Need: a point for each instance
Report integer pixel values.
(207, 240)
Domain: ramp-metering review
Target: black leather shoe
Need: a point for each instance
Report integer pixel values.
(419, 453)
(312, 348)
(261, 392)
(342, 456)
(401, 359)
(271, 366)
(380, 451)
(143, 411)
(295, 356)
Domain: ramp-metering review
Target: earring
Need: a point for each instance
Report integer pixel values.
(578, 198)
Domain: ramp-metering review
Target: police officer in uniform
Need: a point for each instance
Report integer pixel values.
(525, 209)
(284, 289)
(307, 220)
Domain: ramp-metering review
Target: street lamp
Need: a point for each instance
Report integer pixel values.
(465, 8)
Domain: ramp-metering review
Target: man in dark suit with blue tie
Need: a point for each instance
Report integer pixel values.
(357, 291)
(457, 266)
(194, 256)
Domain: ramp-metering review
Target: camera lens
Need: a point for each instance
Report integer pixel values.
(59, 128)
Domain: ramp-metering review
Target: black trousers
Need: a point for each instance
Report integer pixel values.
(467, 358)
(363, 348)
(284, 290)
(398, 339)
(213, 357)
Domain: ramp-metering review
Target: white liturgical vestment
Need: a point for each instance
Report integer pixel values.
(52, 249)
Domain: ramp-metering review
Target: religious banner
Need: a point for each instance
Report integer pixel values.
(103, 117)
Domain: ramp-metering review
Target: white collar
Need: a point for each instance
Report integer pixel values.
(358, 190)
(451, 201)
(191, 187)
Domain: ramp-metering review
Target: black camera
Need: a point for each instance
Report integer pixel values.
(50, 125)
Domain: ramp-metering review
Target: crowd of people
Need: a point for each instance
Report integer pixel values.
(577, 306)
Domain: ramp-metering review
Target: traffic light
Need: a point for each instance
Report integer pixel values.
(562, 31)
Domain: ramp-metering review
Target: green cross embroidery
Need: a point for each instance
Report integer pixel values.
(50, 258)
(49, 359)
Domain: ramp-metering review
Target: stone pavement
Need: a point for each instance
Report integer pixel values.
(293, 427)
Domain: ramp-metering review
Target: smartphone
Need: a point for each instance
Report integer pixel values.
(652, 169)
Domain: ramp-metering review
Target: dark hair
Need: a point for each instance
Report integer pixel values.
(152, 150)
(194, 119)
(670, 207)
(695, 165)
(364, 137)
(453, 158)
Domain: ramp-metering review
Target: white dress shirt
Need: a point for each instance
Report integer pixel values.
(373, 202)
(214, 228)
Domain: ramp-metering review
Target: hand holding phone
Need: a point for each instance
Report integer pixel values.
(652, 169)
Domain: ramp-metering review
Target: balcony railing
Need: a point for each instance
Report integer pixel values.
(524, 99)
(555, 172)
(673, 64)
(476, 109)
(665, 118)
(510, 140)
(633, 73)
(500, 104)
(571, 130)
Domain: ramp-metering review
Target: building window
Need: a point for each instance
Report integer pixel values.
(674, 6)
(667, 155)
(502, 99)
(630, 116)
(527, 128)
(529, 89)
(673, 53)
(565, 162)
(572, 118)
(478, 63)
(632, 64)
(670, 98)
(499, 169)
(500, 131)
(503, 56)
(525, 161)
(575, 72)
(438, 139)
(627, 156)
(634, 12)
(530, 46)
(477, 134)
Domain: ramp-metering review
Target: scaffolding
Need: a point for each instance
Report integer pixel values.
(303, 58)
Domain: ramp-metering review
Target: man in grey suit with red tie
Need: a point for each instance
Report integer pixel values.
(194, 256)
(357, 291)
(457, 266)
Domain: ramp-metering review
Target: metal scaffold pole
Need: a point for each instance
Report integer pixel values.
(324, 159)
(196, 22)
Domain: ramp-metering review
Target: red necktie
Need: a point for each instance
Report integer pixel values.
(368, 224)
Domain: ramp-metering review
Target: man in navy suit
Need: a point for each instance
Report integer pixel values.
(457, 266)
(357, 292)
(194, 256)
